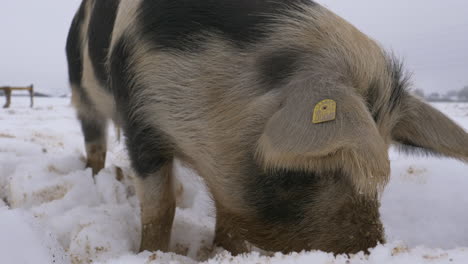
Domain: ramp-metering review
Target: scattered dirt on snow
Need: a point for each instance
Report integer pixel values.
(53, 211)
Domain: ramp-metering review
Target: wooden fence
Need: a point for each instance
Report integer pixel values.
(9, 89)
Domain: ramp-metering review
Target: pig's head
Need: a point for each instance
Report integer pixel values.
(323, 155)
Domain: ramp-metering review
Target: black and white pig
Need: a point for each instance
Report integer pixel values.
(283, 108)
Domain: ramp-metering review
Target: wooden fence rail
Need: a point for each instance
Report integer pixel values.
(9, 89)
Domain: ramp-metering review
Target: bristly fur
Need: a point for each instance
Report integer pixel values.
(385, 98)
(401, 81)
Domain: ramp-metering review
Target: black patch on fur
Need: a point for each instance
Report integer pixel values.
(400, 82)
(182, 24)
(94, 128)
(73, 47)
(101, 26)
(148, 147)
(74, 54)
(278, 67)
(283, 196)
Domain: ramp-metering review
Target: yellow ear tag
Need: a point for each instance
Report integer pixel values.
(325, 111)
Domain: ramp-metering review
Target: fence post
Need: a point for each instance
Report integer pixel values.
(31, 93)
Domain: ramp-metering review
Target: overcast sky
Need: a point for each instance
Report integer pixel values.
(431, 35)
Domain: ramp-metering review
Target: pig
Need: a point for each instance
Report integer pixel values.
(285, 110)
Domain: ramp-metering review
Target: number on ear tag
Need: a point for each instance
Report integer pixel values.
(325, 111)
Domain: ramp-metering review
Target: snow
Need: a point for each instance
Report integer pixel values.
(53, 211)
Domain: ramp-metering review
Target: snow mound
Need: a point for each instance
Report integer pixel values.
(53, 211)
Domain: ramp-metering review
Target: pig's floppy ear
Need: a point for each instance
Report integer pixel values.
(348, 141)
(423, 129)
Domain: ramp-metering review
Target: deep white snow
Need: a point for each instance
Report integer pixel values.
(53, 211)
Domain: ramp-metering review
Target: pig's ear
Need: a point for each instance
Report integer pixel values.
(423, 129)
(305, 134)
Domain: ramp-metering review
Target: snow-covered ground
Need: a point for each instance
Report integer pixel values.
(53, 211)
